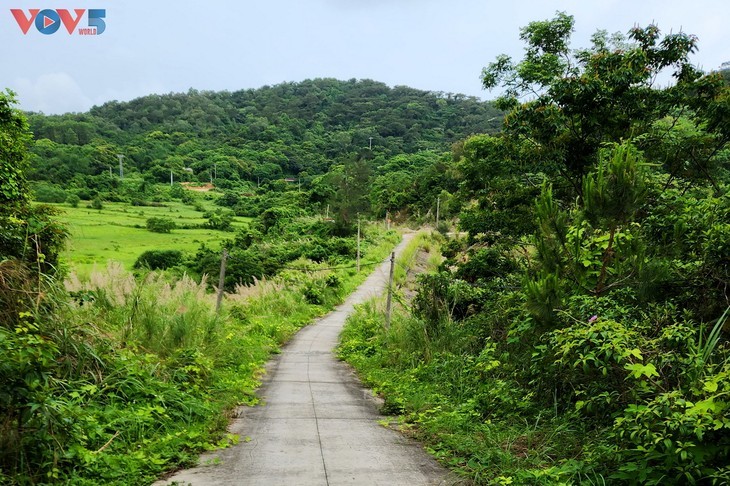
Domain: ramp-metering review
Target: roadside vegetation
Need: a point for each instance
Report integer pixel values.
(115, 377)
(578, 332)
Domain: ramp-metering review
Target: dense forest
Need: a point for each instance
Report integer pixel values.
(244, 139)
(576, 331)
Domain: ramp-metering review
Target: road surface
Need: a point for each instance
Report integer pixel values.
(316, 425)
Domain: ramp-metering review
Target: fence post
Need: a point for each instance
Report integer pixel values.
(221, 281)
(390, 291)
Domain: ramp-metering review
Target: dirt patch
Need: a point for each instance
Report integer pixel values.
(419, 266)
(198, 187)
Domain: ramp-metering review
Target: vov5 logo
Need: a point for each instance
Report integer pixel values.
(48, 21)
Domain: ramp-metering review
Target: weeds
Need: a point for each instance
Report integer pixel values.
(134, 376)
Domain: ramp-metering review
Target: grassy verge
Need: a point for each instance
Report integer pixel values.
(138, 374)
(437, 386)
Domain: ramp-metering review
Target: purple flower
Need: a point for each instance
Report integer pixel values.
(592, 319)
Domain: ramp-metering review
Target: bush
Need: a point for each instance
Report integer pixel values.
(219, 220)
(73, 200)
(97, 204)
(160, 225)
(159, 259)
(322, 291)
(49, 193)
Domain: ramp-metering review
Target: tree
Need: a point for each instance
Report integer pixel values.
(30, 241)
(578, 100)
(352, 188)
(14, 140)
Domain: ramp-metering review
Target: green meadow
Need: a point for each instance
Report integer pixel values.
(118, 233)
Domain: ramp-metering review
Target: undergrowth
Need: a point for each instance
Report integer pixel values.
(627, 396)
(121, 378)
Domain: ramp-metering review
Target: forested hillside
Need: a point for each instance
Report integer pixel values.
(296, 130)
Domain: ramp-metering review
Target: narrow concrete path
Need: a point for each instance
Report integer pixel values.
(317, 425)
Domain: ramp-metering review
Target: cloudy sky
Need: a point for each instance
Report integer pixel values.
(439, 45)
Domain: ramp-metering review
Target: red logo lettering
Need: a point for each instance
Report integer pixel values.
(68, 21)
(23, 22)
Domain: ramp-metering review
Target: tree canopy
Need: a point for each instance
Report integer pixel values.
(568, 102)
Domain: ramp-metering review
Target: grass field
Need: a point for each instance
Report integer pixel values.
(118, 232)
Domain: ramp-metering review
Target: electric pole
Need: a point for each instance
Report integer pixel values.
(121, 167)
(358, 243)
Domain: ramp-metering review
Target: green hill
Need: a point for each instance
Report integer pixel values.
(256, 135)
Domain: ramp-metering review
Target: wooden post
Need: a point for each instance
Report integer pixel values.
(221, 281)
(358, 243)
(389, 302)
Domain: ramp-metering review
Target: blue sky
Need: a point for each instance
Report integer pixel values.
(161, 47)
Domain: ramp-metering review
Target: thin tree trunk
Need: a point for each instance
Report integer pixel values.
(601, 285)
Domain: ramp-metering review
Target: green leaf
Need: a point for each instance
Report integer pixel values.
(638, 370)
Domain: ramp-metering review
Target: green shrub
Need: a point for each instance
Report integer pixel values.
(159, 259)
(49, 193)
(73, 200)
(314, 293)
(97, 204)
(219, 219)
(160, 225)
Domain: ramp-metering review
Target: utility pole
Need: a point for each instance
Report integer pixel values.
(438, 209)
(171, 178)
(121, 167)
(358, 243)
(390, 292)
(371, 143)
(221, 281)
(110, 172)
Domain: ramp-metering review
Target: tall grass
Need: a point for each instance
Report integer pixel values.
(156, 315)
(134, 375)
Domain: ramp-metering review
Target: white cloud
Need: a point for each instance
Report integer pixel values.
(51, 93)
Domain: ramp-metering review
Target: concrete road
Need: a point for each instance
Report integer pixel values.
(316, 425)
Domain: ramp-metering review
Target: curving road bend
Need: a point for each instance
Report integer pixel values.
(316, 425)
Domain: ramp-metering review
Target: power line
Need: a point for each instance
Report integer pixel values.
(319, 269)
